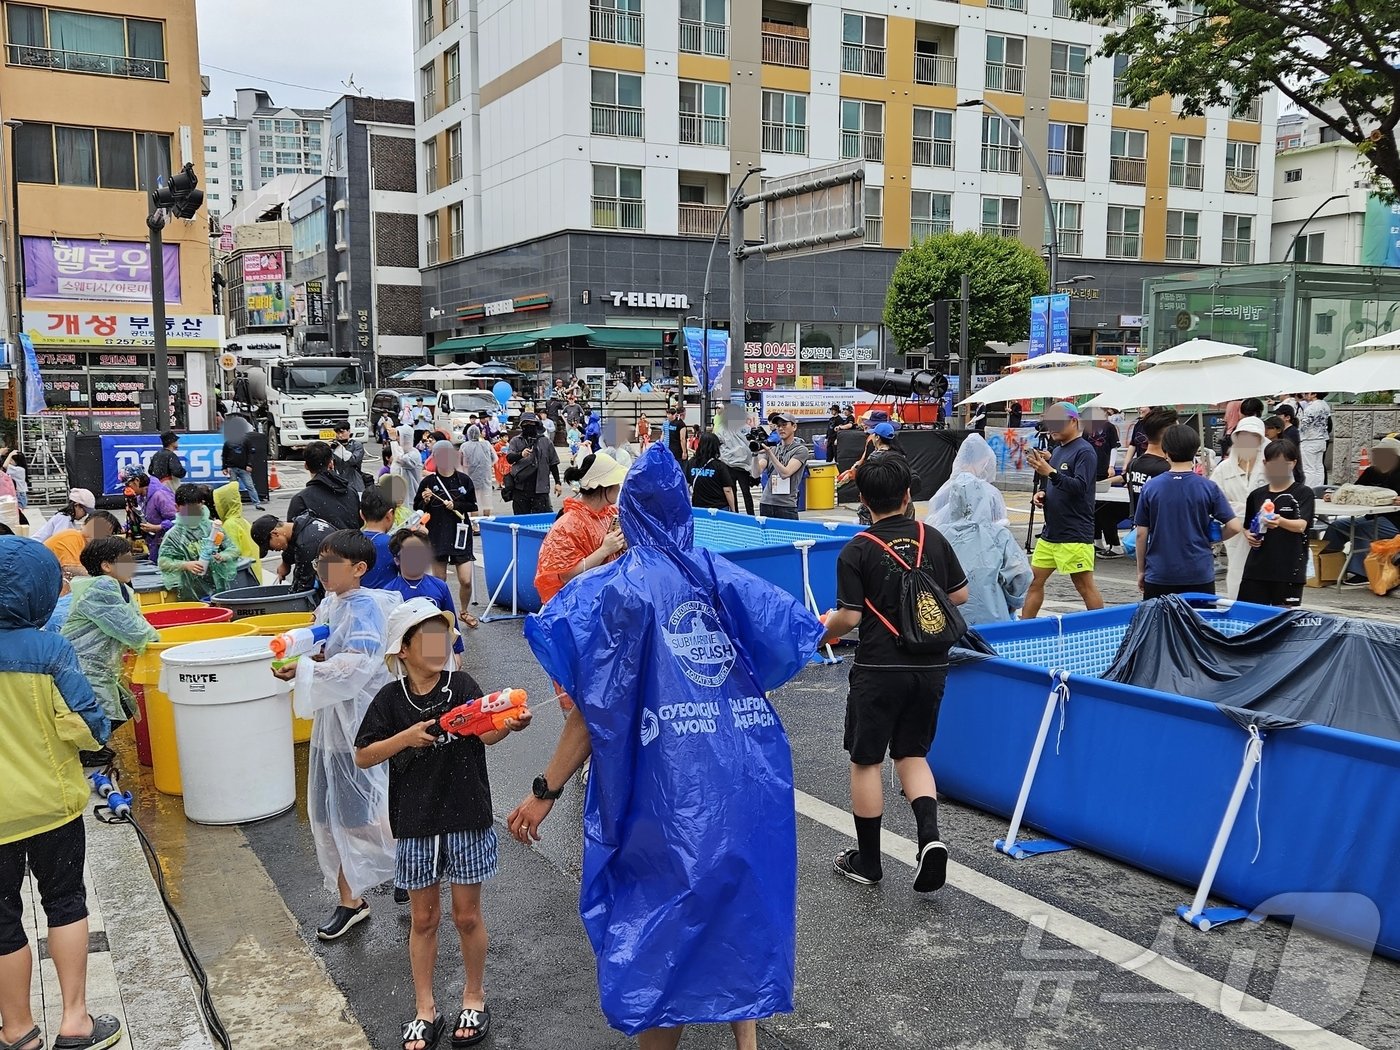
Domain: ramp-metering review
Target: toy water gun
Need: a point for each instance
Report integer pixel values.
(485, 714)
(1260, 524)
(288, 646)
(418, 519)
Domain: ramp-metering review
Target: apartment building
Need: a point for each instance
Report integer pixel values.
(259, 141)
(578, 151)
(83, 94)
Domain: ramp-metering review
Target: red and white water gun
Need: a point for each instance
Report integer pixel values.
(485, 714)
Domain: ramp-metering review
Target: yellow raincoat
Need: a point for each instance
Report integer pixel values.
(228, 502)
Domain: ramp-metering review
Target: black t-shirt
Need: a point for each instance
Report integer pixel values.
(1291, 434)
(708, 484)
(1140, 471)
(1104, 441)
(456, 489)
(1283, 556)
(865, 571)
(432, 790)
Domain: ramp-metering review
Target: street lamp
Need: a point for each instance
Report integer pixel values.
(1053, 255)
(1288, 255)
(734, 324)
(17, 254)
(1080, 279)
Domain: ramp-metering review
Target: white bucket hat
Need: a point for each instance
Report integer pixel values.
(404, 617)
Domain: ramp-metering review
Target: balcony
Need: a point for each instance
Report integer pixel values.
(1120, 96)
(784, 138)
(1182, 176)
(1072, 86)
(933, 153)
(697, 129)
(1130, 171)
(1236, 252)
(1071, 242)
(618, 122)
(615, 27)
(1183, 249)
(1001, 229)
(935, 69)
(432, 251)
(1008, 5)
(1241, 180)
(1124, 246)
(703, 38)
(454, 167)
(863, 60)
(875, 229)
(1062, 9)
(785, 45)
(87, 62)
(459, 244)
(1250, 111)
(921, 228)
(1008, 79)
(430, 179)
(863, 145)
(619, 213)
(1003, 159)
(699, 220)
(1064, 164)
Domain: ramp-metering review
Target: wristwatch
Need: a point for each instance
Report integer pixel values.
(540, 789)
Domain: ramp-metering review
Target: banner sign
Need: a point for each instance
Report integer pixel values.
(1380, 244)
(182, 331)
(263, 266)
(715, 361)
(808, 406)
(315, 304)
(69, 268)
(1059, 323)
(33, 381)
(201, 454)
(1040, 325)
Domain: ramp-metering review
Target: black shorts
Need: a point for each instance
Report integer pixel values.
(769, 510)
(1159, 590)
(451, 555)
(1271, 592)
(56, 859)
(892, 711)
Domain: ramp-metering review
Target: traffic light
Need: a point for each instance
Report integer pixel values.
(670, 361)
(938, 330)
(178, 194)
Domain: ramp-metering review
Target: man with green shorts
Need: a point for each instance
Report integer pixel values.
(1066, 473)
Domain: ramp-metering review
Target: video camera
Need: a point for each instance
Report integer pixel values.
(759, 437)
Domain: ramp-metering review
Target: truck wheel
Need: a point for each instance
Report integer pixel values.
(274, 446)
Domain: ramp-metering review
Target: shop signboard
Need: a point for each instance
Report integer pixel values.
(96, 270)
(265, 290)
(182, 331)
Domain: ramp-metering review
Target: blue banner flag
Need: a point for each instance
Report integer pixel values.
(717, 360)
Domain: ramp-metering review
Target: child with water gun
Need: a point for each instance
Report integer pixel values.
(433, 736)
(197, 557)
(1280, 513)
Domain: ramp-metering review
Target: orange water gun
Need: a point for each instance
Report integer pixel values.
(485, 714)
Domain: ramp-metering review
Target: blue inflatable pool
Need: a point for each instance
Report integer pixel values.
(763, 547)
(1148, 776)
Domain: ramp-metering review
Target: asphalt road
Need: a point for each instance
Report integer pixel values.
(1066, 951)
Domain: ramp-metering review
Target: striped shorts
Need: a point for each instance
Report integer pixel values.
(463, 858)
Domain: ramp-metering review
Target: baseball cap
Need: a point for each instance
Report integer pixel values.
(83, 497)
(402, 619)
(884, 430)
(781, 417)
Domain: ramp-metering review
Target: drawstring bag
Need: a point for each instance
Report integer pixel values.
(928, 621)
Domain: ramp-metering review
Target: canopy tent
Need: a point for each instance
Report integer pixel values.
(1378, 369)
(1211, 379)
(1051, 381)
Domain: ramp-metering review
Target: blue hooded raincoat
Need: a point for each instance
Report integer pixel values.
(689, 889)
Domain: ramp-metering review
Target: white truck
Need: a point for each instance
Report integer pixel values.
(298, 400)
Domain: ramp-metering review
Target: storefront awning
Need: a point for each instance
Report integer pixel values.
(506, 342)
(463, 345)
(626, 338)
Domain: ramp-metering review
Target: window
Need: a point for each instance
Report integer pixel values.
(1120, 84)
(933, 67)
(862, 130)
(1241, 167)
(1001, 216)
(337, 152)
(91, 157)
(1065, 157)
(1237, 240)
(617, 198)
(341, 237)
(1186, 170)
(704, 27)
(1308, 248)
(784, 122)
(456, 224)
(427, 83)
(874, 215)
(1001, 145)
(1124, 232)
(704, 113)
(286, 126)
(78, 42)
(430, 167)
(1189, 12)
(617, 104)
(309, 234)
(1008, 5)
(427, 21)
(1067, 65)
(430, 238)
(1006, 64)
(1183, 236)
(116, 159)
(1069, 221)
(450, 12)
(933, 138)
(1293, 175)
(452, 64)
(1128, 157)
(616, 21)
(929, 213)
(862, 44)
(454, 153)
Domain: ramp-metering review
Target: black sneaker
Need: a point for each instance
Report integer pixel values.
(400, 895)
(97, 759)
(341, 920)
(932, 870)
(846, 865)
(1354, 580)
(1112, 552)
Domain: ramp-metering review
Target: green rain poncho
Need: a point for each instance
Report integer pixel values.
(201, 542)
(104, 624)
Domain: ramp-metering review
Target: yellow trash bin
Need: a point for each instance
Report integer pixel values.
(270, 625)
(821, 486)
(160, 716)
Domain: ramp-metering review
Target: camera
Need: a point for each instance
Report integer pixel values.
(758, 438)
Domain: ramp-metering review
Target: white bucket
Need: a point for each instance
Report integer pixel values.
(233, 730)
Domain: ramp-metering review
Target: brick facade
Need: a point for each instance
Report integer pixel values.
(400, 309)
(396, 239)
(394, 164)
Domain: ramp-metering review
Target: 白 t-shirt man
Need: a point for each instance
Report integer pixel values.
(1177, 509)
(866, 572)
(438, 789)
(1140, 471)
(1314, 422)
(708, 484)
(779, 491)
(1283, 556)
(1069, 493)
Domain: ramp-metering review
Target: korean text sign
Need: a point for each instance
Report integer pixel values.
(59, 268)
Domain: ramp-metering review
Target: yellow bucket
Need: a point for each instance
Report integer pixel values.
(821, 487)
(160, 716)
(148, 599)
(271, 624)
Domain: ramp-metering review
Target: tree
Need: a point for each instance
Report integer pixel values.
(1003, 275)
(1335, 59)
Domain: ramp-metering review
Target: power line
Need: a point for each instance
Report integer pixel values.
(268, 80)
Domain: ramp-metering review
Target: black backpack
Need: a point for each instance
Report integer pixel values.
(928, 622)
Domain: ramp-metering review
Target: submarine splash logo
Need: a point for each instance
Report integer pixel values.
(698, 642)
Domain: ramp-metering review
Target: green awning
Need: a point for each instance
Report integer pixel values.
(627, 338)
(507, 342)
(463, 345)
(565, 331)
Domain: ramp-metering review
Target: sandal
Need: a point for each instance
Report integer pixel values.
(470, 620)
(480, 1020)
(421, 1031)
(26, 1041)
(106, 1031)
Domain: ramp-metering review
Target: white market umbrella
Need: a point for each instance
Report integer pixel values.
(423, 371)
(1051, 361)
(1376, 370)
(1200, 350)
(1389, 339)
(1211, 381)
(1054, 383)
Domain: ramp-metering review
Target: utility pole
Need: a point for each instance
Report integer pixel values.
(155, 223)
(964, 358)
